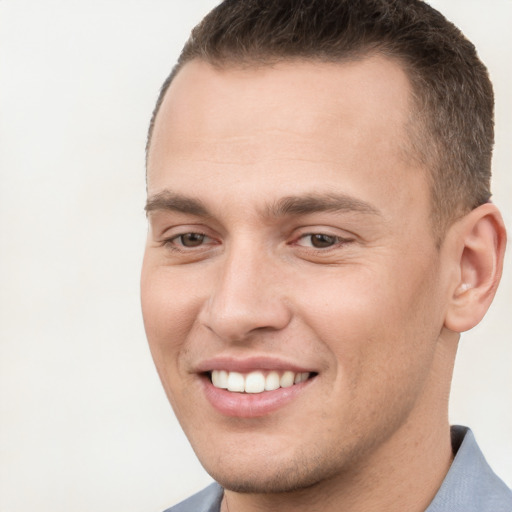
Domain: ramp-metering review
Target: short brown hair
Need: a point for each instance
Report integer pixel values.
(453, 96)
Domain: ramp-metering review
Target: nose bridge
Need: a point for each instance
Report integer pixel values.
(245, 296)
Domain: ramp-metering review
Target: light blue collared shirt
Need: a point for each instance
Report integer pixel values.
(469, 486)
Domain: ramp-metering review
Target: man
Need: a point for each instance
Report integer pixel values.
(320, 233)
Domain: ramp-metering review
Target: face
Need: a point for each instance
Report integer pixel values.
(291, 261)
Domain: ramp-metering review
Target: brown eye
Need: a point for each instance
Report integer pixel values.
(191, 239)
(321, 241)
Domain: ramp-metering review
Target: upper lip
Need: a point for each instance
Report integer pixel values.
(248, 364)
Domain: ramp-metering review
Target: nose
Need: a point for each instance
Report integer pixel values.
(247, 296)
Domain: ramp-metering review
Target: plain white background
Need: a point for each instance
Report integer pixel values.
(84, 424)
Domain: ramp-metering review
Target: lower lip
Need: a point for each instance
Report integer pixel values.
(251, 405)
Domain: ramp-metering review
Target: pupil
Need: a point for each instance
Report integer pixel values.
(322, 240)
(192, 239)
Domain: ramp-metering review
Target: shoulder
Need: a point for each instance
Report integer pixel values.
(207, 500)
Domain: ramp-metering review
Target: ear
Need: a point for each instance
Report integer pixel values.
(480, 240)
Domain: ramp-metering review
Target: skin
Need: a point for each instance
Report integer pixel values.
(374, 312)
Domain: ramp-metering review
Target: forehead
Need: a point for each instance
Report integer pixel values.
(202, 98)
(285, 123)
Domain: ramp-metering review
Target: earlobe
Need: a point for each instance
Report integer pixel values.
(480, 248)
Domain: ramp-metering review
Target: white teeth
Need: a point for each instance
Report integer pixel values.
(256, 382)
(236, 382)
(301, 377)
(287, 379)
(220, 379)
(272, 381)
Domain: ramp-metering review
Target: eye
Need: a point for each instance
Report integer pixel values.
(189, 240)
(320, 240)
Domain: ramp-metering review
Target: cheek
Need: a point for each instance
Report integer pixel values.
(350, 303)
(380, 345)
(369, 318)
(169, 313)
(169, 301)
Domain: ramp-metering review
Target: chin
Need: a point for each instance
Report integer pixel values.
(272, 476)
(271, 483)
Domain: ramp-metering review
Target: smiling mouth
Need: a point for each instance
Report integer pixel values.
(256, 381)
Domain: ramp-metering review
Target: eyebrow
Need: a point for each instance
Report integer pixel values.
(286, 206)
(167, 200)
(314, 203)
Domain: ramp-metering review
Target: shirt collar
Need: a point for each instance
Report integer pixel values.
(470, 485)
